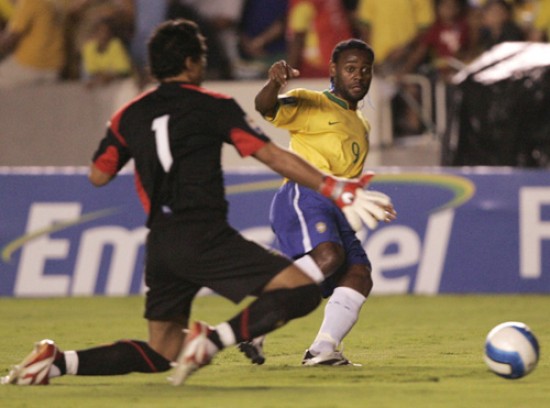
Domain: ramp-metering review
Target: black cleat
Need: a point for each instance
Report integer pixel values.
(254, 350)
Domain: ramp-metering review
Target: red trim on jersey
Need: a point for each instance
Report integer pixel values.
(142, 194)
(143, 354)
(108, 161)
(115, 119)
(245, 142)
(206, 91)
(244, 324)
(114, 126)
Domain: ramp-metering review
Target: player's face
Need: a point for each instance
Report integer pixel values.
(352, 75)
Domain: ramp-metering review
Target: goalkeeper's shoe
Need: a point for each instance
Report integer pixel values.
(35, 368)
(197, 351)
(254, 350)
(331, 358)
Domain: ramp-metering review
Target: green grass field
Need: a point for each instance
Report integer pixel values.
(416, 352)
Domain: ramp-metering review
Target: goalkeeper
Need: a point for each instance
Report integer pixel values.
(328, 131)
(175, 132)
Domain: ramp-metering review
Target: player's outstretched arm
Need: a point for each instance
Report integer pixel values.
(279, 73)
(289, 165)
(358, 205)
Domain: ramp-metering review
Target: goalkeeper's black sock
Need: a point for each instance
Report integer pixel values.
(59, 362)
(122, 357)
(273, 309)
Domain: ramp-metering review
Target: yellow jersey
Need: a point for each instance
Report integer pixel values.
(114, 60)
(324, 131)
(6, 10)
(394, 22)
(42, 44)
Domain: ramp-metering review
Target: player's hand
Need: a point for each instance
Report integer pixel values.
(360, 206)
(280, 72)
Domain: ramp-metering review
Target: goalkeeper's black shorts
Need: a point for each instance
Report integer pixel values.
(183, 257)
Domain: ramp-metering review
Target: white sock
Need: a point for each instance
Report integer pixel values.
(310, 268)
(71, 362)
(341, 313)
(225, 332)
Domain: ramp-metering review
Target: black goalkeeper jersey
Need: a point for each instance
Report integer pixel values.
(175, 134)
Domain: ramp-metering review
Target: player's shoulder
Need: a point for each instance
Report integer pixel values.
(135, 106)
(177, 89)
(207, 92)
(299, 95)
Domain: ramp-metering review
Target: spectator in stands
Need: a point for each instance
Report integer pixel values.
(541, 26)
(351, 8)
(219, 61)
(32, 48)
(498, 24)
(474, 20)
(219, 21)
(392, 27)
(87, 12)
(148, 15)
(442, 45)
(82, 15)
(262, 33)
(524, 14)
(314, 29)
(6, 10)
(104, 56)
(438, 55)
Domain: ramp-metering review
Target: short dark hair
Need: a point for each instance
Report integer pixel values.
(351, 44)
(171, 44)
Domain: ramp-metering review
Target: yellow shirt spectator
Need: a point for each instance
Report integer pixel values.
(393, 23)
(114, 60)
(6, 10)
(542, 19)
(104, 57)
(41, 26)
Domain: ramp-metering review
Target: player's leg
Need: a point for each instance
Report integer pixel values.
(122, 357)
(168, 305)
(126, 356)
(348, 289)
(304, 224)
(283, 292)
(254, 348)
(340, 315)
(319, 263)
(310, 229)
(289, 295)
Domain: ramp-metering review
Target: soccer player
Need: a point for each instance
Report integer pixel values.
(175, 133)
(328, 131)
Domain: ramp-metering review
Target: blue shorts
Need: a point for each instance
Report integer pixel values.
(302, 219)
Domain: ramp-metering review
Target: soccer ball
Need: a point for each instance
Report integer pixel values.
(511, 350)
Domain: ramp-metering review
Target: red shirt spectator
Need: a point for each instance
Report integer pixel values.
(315, 27)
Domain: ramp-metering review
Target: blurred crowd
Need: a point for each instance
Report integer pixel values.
(99, 41)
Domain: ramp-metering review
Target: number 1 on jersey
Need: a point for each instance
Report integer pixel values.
(160, 127)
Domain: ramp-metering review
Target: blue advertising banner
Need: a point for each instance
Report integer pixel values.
(474, 230)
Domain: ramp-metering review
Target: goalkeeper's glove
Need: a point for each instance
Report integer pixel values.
(358, 205)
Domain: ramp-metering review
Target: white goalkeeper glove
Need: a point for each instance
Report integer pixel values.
(360, 206)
